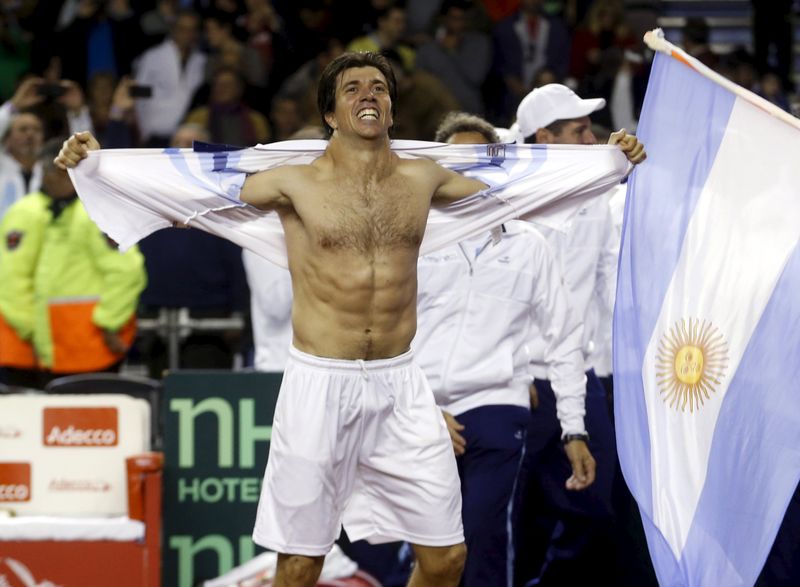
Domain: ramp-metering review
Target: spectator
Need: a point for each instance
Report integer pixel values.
(302, 85)
(227, 118)
(524, 43)
(174, 69)
(421, 19)
(22, 131)
(22, 134)
(390, 27)
(116, 119)
(695, 42)
(771, 89)
(263, 29)
(225, 50)
(66, 287)
(423, 100)
(157, 22)
(286, 117)
(605, 30)
(739, 67)
(308, 25)
(104, 37)
(458, 57)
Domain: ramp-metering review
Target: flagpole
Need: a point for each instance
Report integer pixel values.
(656, 41)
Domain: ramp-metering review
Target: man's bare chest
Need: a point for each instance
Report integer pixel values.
(367, 216)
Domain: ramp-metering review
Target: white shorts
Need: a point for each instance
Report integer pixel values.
(360, 444)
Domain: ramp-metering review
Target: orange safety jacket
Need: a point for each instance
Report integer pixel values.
(63, 283)
(15, 352)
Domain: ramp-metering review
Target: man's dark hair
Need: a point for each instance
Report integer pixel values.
(326, 91)
(457, 122)
(554, 127)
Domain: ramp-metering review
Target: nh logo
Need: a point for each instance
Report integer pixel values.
(249, 433)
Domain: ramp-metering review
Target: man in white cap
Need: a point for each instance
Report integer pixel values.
(587, 252)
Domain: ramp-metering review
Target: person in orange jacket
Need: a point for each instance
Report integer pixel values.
(68, 295)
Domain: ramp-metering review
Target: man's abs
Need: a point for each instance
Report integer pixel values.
(355, 307)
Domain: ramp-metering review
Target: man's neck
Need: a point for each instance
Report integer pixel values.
(360, 155)
(26, 163)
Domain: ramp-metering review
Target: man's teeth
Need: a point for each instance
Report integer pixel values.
(368, 113)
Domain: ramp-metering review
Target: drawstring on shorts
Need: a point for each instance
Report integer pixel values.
(364, 372)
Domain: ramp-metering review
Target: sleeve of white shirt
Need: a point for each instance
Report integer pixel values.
(605, 284)
(563, 333)
(131, 193)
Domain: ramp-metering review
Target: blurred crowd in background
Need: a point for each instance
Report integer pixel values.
(246, 70)
(158, 73)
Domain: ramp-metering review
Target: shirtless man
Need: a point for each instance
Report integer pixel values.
(357, 437)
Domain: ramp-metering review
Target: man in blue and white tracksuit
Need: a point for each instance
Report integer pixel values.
(579, 539)
(477, 304)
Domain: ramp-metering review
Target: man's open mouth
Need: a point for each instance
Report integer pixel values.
(368, 114)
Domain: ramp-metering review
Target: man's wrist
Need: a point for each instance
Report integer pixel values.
(567, 438)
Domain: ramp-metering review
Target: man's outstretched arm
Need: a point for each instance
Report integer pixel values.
(454, 186)
(264, 189)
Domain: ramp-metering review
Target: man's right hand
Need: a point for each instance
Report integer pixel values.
(75, 149)
(454, 427)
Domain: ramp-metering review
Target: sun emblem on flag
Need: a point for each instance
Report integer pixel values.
(690, 363)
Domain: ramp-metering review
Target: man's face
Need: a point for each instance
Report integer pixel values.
(577, 131)
(226, 88)
(25, 136)
(393, 25)
(455, 21)
(363, 105)
(184, 32)
(470, 137)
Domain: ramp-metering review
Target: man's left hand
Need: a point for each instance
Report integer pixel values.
(628, 144)
(583, 465)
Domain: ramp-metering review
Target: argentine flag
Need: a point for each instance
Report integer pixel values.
(707, 325)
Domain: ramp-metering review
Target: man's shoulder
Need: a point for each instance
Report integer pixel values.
(419, 167)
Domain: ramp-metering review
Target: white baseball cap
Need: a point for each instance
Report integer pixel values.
(543, 106)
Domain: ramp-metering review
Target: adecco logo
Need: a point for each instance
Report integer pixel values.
(15, 482)
(80, 427)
